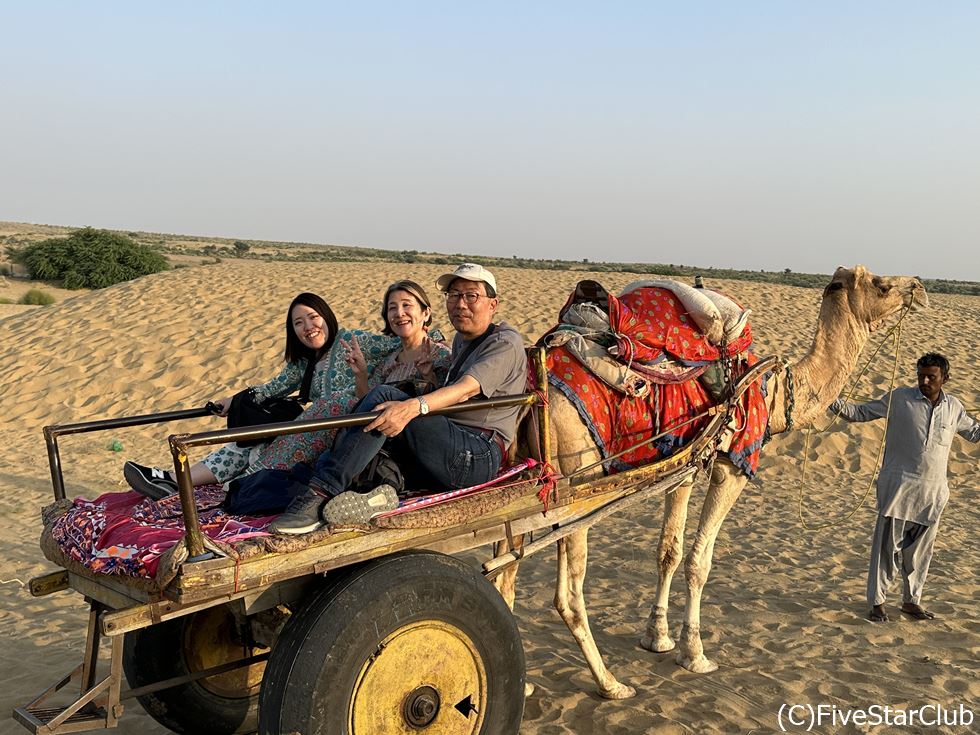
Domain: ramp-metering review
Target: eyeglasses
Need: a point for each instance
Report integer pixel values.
(470, 297)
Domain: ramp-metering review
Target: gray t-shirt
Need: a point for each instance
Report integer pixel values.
(499, 365)
(912, 482)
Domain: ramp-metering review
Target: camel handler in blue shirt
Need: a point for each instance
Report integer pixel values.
(912, 489)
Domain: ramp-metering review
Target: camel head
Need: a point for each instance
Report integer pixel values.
(871, 299)
(855, 303)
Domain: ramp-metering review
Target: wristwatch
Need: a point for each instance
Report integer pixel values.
(423, 406)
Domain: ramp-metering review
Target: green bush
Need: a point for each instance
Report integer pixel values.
(36, 297)
(5, 300)
(89, 258)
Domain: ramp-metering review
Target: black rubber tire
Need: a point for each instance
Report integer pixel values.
(313, 669)
(163, 651)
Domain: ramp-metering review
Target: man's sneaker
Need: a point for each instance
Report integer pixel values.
(149, 481)
(301, 516)
(351, 507)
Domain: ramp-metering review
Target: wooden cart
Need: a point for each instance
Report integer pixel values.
(379, 631)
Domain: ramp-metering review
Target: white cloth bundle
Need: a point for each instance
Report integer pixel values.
(718, 317)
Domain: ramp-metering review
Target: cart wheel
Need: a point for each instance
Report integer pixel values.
(221, 704)
(411, 643)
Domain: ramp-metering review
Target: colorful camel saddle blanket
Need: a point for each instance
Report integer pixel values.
(127, 534)
(643, 328)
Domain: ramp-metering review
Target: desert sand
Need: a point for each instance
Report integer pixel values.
(784, 608)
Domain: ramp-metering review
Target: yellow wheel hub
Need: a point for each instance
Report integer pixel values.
(211, 640)
(426, 677)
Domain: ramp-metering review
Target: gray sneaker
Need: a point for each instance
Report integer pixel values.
(351, 507)
(302, 515)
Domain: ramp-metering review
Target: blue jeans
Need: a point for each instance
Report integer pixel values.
(433, 452)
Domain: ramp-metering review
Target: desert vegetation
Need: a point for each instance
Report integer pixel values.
(185, 251)
(88, 258)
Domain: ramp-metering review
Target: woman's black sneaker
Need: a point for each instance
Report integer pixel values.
(152, 482)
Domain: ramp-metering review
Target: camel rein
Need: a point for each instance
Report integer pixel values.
(897, 331)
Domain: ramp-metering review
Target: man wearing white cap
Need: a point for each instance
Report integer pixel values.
(441, 452)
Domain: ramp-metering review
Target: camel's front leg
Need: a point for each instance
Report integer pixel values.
(573, 552)
(506, 581)
(669, 552)
(723, 490)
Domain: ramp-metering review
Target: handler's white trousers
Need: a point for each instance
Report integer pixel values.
(900, 545)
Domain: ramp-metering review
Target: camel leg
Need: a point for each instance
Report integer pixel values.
(506, 584)
(506, 581)
(669, 552)
(573, 551)
(723, 490)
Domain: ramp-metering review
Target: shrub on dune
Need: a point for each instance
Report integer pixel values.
(36, 297)
(90, 258)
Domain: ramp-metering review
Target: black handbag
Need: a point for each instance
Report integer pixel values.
(381, 470)
(245, 410)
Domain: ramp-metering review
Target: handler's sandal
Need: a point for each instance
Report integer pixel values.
(301, 516)
(152, 482)
(351, 507)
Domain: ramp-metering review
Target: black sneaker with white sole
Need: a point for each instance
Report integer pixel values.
(152, 482)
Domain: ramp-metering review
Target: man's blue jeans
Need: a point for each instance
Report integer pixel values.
(432, 451)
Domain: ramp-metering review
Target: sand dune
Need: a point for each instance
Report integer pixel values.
(783, 610)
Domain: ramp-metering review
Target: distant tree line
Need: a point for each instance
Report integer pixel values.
(90, 258)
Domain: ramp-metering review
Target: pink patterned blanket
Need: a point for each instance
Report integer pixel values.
(125, 533)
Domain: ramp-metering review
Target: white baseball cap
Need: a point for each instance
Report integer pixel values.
(469, 272)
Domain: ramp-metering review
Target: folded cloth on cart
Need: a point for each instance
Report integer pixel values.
(271, 490)
(127, 534)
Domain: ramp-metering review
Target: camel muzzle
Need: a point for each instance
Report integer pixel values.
(917, 297)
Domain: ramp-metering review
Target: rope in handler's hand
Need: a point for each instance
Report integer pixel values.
(897, 331)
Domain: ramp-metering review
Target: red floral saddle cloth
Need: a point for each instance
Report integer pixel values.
(650, 325)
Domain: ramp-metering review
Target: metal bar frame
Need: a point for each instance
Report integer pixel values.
(188, 678)
(498, 564)
(180, 443)
(51, 434)
(98, 703)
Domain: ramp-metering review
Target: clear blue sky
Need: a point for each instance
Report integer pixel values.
(731, 134)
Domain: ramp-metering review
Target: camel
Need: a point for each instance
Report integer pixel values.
(854, 304)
